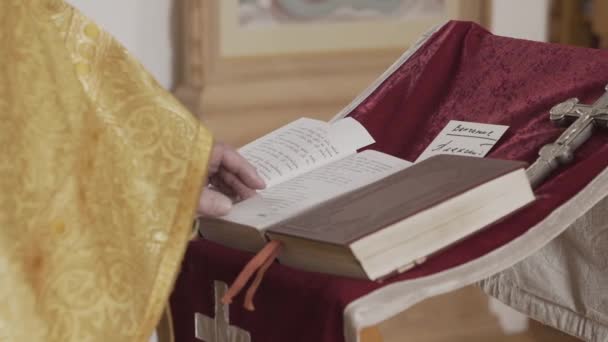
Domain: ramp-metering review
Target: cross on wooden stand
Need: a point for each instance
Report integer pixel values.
(586, 118)
(218, 329)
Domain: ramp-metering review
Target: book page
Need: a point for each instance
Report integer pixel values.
(307, 190)
(303, 145)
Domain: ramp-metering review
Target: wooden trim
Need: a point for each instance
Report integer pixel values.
(473, 10)
(599, 22)
(164, 329)
(198, 38)
(486, 14)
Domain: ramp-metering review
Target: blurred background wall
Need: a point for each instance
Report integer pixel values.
(145, 26)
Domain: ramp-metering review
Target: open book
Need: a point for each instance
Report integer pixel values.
(304, 164)
(368, 214)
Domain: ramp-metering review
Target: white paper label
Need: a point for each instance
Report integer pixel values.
(465, 139)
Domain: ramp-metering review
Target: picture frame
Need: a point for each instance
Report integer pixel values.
(243, 82)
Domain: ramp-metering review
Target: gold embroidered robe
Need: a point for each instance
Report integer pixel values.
(100, 172)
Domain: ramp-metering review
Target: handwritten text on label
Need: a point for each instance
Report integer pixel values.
(464, 138)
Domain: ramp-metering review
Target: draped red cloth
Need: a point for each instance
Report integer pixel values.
(462, 73)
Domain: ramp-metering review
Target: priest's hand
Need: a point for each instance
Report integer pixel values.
(231, 178)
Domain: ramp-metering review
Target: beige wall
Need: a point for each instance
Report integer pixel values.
(521, 18)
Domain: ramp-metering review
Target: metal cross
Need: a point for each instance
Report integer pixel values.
(585, 117)
(219, 329)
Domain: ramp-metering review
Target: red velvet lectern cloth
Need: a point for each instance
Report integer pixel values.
(462, 72)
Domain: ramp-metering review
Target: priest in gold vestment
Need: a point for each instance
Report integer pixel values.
(101, 174)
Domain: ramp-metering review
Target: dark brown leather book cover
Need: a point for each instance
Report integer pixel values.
(349, 217)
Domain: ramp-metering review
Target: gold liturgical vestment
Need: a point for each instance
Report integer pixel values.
(100, 172)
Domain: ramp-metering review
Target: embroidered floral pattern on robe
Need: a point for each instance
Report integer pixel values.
(100, 172)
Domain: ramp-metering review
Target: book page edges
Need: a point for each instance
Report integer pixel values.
(314, 256)
(311, 255)
(419, 247)
(233, 235)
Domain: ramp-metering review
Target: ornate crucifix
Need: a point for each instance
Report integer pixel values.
(585, 117)
(218, 329)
